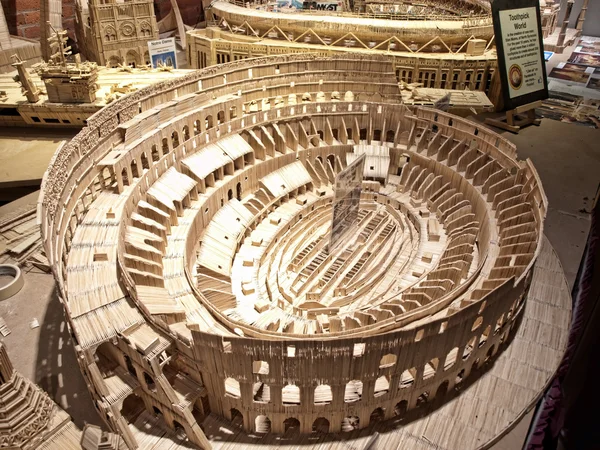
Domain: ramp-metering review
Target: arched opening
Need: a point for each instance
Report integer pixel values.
(290, 395)
(114, 61)
(401, 408)
(145, 163)
(197, 128)
(389, 136)
(489, 353)
(237, 419)
(154, 153)
(377, 135)
(134, 169)
(132, 407)
(175, 139)
(261, 392)
(441, 392)
(230, 197)
(291, 425)
(388, 360)
(430, 369)
(186, 133)
(459, 377)
(378, 415)
(209, 122)
(484, 336)
(124, 177)
(179, 430)
(323, 395)
(475, 365)
(348, 96)
(451, 358)
(130, 367)
(262, 424)
(221, 117)
(382, 386)
(150, 384)
(232, 387)
(469, 348)
(238, 191)
(422, 399)
(106, 177)
(165, 146)
(350, 423)
(331, 160)
(157, 411)
(320, 425)
(131, 58)
(354, 391)
(407, 378)
(232, 112)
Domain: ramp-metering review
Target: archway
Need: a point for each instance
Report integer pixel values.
(132, 407)
(175, 139)
(350, 423)
(291, 425)
(209, 122)
(331, 159)
(154, 153)
(378, 415)
(422, 399)
(229, 194)
(401, 408)
(131, 58)
(320, 425)
(262, 424)
(441, 392)
(179, 430)
(124, 177)
(134, 169)
(165, 146)
(237, 419)
(238, 191)
(323, 395)
(145, 163)
(221, 117)
(354, 390)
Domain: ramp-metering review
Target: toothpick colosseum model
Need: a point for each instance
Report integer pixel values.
(188, 226)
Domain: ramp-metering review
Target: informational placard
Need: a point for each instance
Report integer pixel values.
(346, 201)
(520, 51)
(163, 53)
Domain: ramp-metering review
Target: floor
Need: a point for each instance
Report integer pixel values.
(566, 156)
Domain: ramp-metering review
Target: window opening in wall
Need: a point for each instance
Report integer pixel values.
(291, 351)
(260, 367)
(451, 358)
(430, 369)
(130, 367)
(469, 347)
(350, 423)
(157, 411)
(382, 386)
(485, 335)
(290, 395)
(388, 360)
(261, 392)
(407, 378)
(232, 388)
(323, 395)
(419, 335)
(354, 390)
(477, 323)
(359, 350)
(459, 377)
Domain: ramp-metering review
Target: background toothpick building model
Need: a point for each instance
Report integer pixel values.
(112, 33)
(443, 46)
(187, 227)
